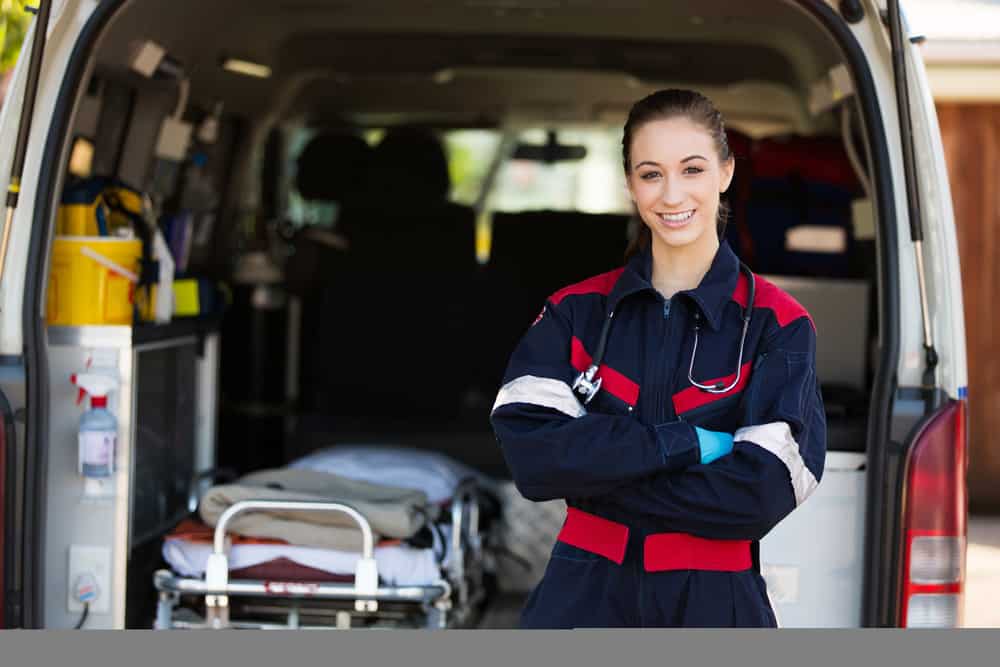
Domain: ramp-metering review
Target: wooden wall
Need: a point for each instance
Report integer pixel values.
(971, 135)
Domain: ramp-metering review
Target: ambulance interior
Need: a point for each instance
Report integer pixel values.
(389, 191)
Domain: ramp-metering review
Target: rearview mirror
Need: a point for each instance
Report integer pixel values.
(551, 151)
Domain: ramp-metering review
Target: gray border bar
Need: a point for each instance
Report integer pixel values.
(482, 648)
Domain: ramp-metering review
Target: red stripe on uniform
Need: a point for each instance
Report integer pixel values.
(614, 382)
(768, 295)
(680, 551)
(594, 534)
(786, 309)
(693, 397)
(742, 291)
(600, 284)
(661, 551)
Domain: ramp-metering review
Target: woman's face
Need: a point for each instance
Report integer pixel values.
(675, 179)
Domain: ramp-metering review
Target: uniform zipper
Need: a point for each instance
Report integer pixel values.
(661, 364)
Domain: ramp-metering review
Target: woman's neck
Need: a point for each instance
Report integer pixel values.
(676, 269)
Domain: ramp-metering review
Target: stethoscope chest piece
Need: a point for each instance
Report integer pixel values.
(585, 387)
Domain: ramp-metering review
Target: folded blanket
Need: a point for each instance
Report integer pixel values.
(391, 512)
(434, 473)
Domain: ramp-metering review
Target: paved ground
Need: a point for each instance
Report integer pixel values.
(982, 594)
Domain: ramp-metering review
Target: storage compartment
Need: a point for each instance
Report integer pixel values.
(813, 561)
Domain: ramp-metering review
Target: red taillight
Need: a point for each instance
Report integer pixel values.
(934, 523)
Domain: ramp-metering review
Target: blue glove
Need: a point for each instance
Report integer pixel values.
(713, 444)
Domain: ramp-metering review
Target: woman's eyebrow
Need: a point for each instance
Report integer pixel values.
(656, 164)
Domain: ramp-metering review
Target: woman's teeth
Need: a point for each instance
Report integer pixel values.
(676, 217)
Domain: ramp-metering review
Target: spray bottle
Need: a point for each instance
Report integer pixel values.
(98, 437)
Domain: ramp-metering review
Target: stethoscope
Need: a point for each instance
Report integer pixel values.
(586, 387)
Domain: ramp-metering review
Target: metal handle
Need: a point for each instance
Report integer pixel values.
(464, 504)
(219, 544)
(217, 569)
(465, 497)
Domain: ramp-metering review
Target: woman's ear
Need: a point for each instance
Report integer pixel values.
(727, 170)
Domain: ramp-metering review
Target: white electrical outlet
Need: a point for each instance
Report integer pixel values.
(89, 569)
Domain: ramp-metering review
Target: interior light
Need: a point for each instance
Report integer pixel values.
(443, 76)
(81, 158)
(246, 67)
(816, 238)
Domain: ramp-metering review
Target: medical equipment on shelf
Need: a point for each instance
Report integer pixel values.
(586, 387)
(98, 435)
(448, 601)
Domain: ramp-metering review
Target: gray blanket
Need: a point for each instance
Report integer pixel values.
(392, 512)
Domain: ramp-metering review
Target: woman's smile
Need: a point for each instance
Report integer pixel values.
(677, 220)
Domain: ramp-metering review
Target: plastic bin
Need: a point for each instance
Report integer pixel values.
(92, 280)
(85, 203)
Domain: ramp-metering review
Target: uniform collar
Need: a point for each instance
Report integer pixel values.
(710, 296)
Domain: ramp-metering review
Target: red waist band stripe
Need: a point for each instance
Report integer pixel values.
(680, 551)
(594, 534)
(661, 551)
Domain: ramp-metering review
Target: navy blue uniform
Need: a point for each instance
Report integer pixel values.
(653, 537)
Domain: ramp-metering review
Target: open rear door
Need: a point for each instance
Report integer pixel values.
(918, 505)
(16, 528)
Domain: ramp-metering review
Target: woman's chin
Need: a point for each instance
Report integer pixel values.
(677, 237)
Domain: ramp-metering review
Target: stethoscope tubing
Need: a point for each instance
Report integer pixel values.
(586, 387)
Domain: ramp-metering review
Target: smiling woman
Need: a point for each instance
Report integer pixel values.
(719, 469)
(677, 161)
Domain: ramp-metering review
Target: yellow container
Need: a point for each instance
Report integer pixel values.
(79, 217)
(91, 280)
(186, 299)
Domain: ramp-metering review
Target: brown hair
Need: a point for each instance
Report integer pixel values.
(663, 105)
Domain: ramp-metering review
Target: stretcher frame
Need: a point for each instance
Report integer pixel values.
(447, 602)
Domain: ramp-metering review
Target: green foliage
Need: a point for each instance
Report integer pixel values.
(13, 25)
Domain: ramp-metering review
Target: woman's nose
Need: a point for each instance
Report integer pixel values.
(673, 192)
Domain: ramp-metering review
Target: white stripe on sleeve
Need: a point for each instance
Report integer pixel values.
(545, 392)
(776, 437)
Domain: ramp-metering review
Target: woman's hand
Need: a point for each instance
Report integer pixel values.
(713, 444)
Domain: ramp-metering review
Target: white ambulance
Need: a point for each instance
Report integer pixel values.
(203, 109)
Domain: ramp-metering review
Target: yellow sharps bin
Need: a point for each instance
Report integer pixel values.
(92, 280)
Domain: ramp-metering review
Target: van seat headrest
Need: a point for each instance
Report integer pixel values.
(334, 167)
(410, 163)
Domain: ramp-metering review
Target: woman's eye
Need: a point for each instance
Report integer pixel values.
(693, 170)
(649, 175)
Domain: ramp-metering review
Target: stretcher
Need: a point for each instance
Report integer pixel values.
(221, 599)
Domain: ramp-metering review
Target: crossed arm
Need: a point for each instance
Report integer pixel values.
(702, 482)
